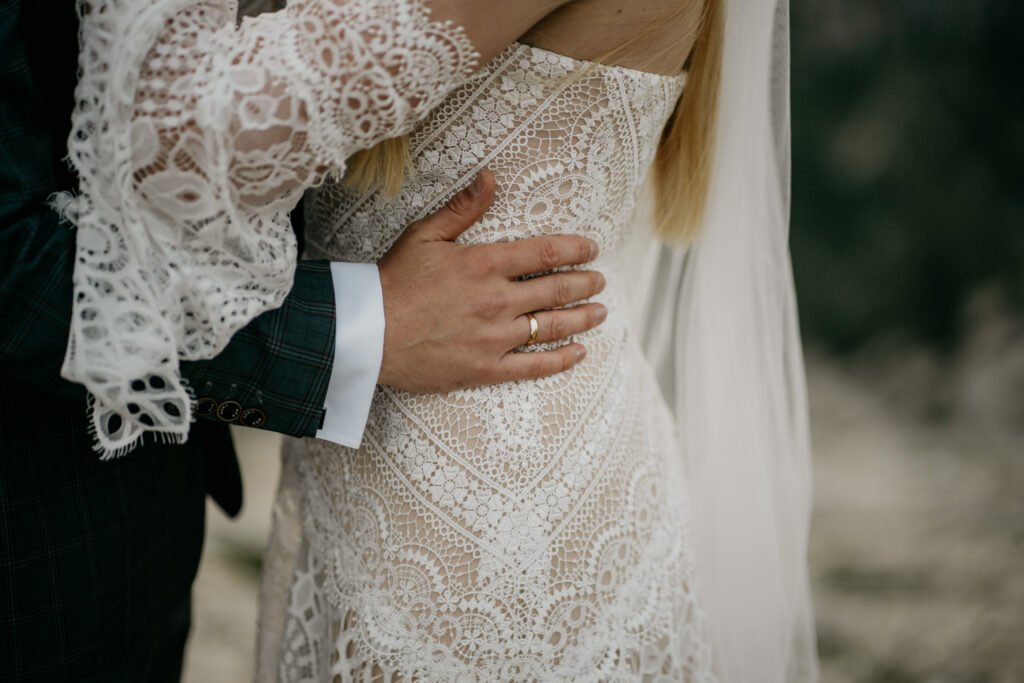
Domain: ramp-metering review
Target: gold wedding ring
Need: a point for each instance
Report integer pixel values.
(533, 329)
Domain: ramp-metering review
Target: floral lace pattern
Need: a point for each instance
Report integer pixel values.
(526, 531)
(192, 139)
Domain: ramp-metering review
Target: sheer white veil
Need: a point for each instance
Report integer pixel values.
(718, 322)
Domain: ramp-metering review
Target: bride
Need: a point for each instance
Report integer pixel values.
(578, 527)
(641, 517)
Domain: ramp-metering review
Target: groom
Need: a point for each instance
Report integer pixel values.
(97, 558)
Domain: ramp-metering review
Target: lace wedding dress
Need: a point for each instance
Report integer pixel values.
(534, 530)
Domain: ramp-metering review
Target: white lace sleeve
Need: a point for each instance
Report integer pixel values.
(192, 138)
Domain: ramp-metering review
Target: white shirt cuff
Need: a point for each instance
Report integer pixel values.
(358, 348)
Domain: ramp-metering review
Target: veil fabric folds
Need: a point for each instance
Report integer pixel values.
(718, 323)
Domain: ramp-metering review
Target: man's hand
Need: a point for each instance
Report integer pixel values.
(454, 312)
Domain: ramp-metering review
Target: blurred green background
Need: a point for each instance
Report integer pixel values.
(908, 251)
(908, 165)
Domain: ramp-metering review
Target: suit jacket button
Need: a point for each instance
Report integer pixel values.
(204, 406)
(228, 411)
(253, 417)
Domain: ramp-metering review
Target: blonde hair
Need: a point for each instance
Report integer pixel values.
(682, 164)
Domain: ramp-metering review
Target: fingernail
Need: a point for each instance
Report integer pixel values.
(600, 282)
(580, 354)
(593, 250)
(477, 186)
(602, 313)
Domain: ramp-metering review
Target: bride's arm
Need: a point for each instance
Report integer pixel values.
(266, 108)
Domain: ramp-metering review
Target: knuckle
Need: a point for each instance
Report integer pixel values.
(491, 337)
(558, 328)
(583, 251)
(563, 291)
(490, 305)
(537, 368)
(549, 257)
(460, 204)
(482, 262)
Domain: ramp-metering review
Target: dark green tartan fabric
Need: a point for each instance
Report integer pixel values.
(97, 558)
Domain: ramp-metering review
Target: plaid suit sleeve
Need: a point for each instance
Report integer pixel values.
(272, 375)
(275, 371)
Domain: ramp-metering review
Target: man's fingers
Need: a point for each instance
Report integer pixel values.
(557, 289)
(553, 326)
(537, 364)
(539, 254)
(461, 211)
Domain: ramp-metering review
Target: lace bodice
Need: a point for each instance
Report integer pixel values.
(569, 142)
(526, 531)
(192, 139)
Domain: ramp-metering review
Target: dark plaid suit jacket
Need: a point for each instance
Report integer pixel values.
(97, 558)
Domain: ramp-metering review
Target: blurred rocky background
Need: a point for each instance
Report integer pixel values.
(908, 248)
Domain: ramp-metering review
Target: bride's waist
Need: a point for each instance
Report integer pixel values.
(598, 388)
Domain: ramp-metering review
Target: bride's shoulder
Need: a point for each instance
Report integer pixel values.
(655, 35)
